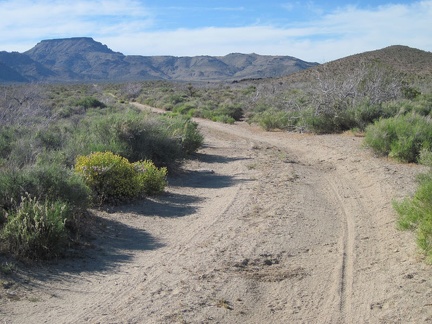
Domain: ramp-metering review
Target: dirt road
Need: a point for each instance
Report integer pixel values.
(260, 228)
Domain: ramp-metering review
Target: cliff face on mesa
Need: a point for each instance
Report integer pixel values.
(84, 59)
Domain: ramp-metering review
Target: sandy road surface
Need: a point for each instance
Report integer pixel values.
(260, 228)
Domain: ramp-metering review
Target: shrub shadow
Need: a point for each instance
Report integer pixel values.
(109, 243)
(213, 158)
(166, 205)
(203, 179)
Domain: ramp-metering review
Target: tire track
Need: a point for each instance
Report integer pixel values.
(296, 204)
(190, 234)
(347, 242)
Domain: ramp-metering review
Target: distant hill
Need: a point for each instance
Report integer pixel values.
(83, 59)
(407, 61)
(400, 58)
(7, 74)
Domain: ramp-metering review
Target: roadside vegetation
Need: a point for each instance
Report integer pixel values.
(64, 149)
(390, 108)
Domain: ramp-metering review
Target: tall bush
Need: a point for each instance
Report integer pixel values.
(273, 119)
(114, 179)
(111, 177)
(36, 229)
(402, 137)
(416, 214)
(45, 181)
(137, 136)
(152, 180)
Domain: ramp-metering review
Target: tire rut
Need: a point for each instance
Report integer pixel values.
(347, 253)
(286, 228)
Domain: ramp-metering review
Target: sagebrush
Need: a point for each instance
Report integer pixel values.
(36, 228)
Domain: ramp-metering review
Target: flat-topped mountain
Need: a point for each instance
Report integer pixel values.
(84, 59)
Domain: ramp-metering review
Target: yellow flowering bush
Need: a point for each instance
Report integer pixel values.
(110, 176)
(113, 178)
(152, 179)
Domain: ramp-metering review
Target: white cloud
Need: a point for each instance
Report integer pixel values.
(30, 21)
(289, 6)
(341, 33)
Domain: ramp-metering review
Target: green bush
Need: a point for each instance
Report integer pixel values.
(339, 118)
(186, 132)
(52, 137)
(47, 181)
(425, 157)
(177, 98)
(136, 136)
(7, 136)
(111, 177)
(93, 134)
(55, 181)
(233, 111)
(187, 109)
(402, 137)
(114, 179)
(363, 115)
(11, 188)
(89, 102)
(149, 138)
(272, 119)
(152, 179)
(416, 214)
(36, 229)
(410, 92)
(421, 105)
(223, 119)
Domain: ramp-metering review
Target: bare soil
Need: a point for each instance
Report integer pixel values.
(259, 228)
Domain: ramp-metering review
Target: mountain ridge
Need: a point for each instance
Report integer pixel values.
(80, 59)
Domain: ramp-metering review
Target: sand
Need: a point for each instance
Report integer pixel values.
(259, 227)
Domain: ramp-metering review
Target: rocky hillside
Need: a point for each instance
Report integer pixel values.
(83, 59)
(407, 62)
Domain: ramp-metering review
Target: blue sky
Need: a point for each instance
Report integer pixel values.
(318, 31)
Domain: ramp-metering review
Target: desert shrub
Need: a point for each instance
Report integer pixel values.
(416, 214)
(233, 111)
(149, 138)
(249, 90)
(187, 108)
(45, 181)
(36, 229)
(95, 133)
(11, 188)
(152, 179)
(23, 149)
(111, 177)
(89, 102)
(410, 92)
(114, 179)
(52, 137)
(137, 136)
(425, 157)
(421, 105)
(402, 137)
(272, 119)
(363, 115)
(7, 137)
(186, 132)
(55, 181)
(223, 119)
(334, 119)
(177, 98)
(328, 122)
